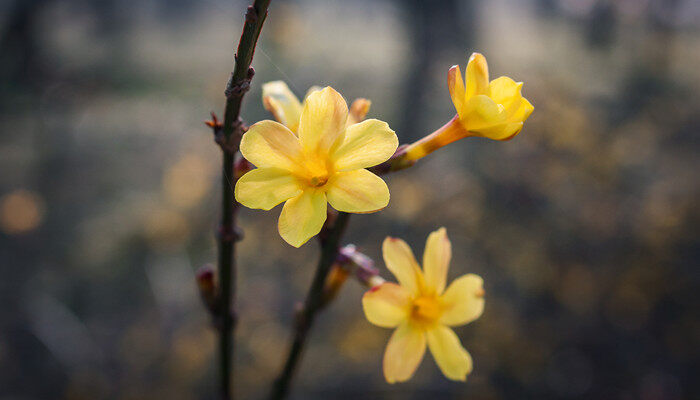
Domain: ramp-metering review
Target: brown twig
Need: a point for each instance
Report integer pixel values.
(228, 135)
(330, 245)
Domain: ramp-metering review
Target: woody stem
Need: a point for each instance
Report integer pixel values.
(228, 135)
(312, 305)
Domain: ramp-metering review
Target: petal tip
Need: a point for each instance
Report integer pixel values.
(475, 55)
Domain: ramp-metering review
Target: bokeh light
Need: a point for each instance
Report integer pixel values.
(584, 227)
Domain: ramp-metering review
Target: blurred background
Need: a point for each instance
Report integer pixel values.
(584, 227)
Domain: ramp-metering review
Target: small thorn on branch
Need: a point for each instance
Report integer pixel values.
(214, 123)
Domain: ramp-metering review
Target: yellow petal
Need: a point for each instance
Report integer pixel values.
(505, 91)
(404, 353)
(271, 144)
(264, 188)
(387, 305)
(436, 260)
(504, 131)
(322, 121)
(477, 77)
(512, 130)
(312, 89)
(366, 144)
(455, 84)
(302, 217)
(399, 259)
(358, 109)
(282, 103)
(463, 301)
(358, 191)
(481, 112)
(522, 112)
(454, 361)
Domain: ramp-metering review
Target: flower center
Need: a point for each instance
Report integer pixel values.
(426, 309)
(318, 181)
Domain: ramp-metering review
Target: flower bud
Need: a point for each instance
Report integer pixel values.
(494, 110)
(207, 285)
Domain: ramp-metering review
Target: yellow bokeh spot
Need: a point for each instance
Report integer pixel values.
(186, 182)
(21, 211)
(164, 227)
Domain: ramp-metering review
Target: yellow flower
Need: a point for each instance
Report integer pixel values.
(286, 107)
(325, 163)
(422, 311)
(494, 110)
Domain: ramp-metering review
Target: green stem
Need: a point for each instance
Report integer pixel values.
(312, 305)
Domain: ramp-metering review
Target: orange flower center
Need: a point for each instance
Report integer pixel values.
(426, 310)
(318, 181)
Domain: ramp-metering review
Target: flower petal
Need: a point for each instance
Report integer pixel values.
(505, 91)
(477, 77)
(358, 109)
(463, 301)
(366, 144)
(503, 131)
(455, 84)
(358, 191)
(454, 361)
(481, 112)
(387, 305)
(271, 144)
(436, 260)
(314, 88)
(404, 353)
(282, 103)
(264, 188)
(323, 121)
(522, 112)
(399, 259)
(302, 217)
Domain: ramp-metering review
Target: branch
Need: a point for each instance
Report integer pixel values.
(313, 304)
(228, 135)
(239, 83)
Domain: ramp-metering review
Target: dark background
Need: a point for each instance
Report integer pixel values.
(584, 227)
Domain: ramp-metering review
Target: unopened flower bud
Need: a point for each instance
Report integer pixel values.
(240, 167)
(335, 280)
(358, 110)
(361, 266)
(207, 284)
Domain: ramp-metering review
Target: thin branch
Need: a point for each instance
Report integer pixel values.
(228, 136)
(313, 304)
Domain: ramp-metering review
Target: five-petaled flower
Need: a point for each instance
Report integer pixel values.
(494, 110)
(422, 311)
(321, 160)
